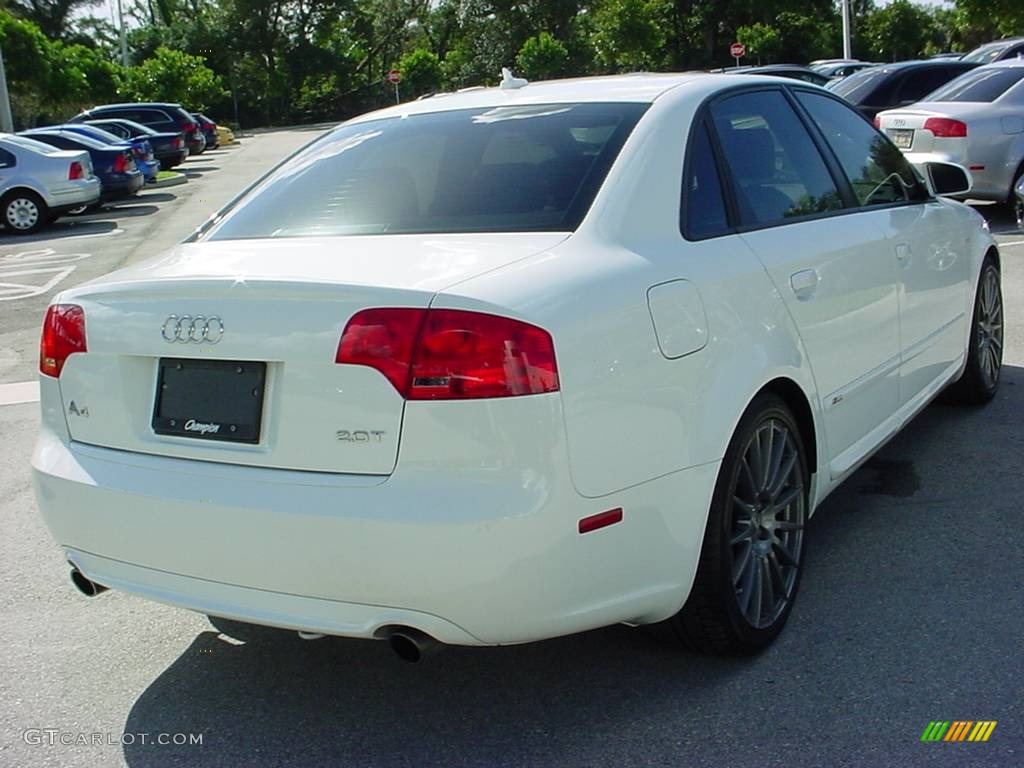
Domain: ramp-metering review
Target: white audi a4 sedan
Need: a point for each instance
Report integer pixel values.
(514, 363)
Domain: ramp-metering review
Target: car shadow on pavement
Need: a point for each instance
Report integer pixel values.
(156, 197)
(76, 226)
(898, 609)
(200, 169)
(125, 210)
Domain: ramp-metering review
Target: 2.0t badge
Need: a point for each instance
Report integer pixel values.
(360, 436)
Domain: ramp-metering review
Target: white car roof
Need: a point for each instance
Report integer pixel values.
(642, 87)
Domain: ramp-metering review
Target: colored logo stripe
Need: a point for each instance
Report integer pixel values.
(958, 730)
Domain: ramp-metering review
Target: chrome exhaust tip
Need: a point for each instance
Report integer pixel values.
(85, 585)
(412, 645)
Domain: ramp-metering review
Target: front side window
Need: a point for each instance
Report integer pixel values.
(877, 170)
(704, 206)
(776, 169)
(500, 169)
(981, 85)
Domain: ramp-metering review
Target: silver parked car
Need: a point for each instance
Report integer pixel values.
(975, 120)
(38, 183)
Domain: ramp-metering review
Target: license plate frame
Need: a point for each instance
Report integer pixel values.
(209, 399)
(903, 138)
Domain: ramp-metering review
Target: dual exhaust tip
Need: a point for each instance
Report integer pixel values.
(408, 644)
(84, 584)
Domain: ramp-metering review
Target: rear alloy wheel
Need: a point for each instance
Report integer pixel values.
(24, 212)
(980, 379)
(1017, 200)
(754, 543)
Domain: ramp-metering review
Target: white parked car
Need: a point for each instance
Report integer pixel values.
(38, 183)
(515, 363)
(976, 120)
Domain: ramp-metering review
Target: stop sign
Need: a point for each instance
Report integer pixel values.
(737, 50)
(394, 76)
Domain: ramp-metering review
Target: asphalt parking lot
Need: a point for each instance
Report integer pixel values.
(910, 608)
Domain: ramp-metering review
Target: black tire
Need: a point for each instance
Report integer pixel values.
(23, 212)
(715, 619)
(980, 380)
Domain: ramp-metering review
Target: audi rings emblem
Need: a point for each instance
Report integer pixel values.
(192, 329)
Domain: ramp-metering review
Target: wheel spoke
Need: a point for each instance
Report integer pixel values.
(756, 464)
(744, 535)
(787, 498)
(747, 587)
(757, 587)
(788, 525)
(783, 553)
(782, 476)
(740, 566)
(778, 580)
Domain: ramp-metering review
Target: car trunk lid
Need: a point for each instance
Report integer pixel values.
(239, 338)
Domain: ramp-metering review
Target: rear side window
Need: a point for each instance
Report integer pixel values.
(148, 116)
(7, 159)
(983, 85)
(501, 169)
(877, 170)
(776, 169)
(919, 83)
(703, 203)
(869, 86)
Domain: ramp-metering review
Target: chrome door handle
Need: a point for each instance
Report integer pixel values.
(804, 283)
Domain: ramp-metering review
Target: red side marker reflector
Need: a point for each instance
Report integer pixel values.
(977, 168)
(600, 520)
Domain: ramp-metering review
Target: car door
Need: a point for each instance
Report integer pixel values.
(922, 236)
(7, 167)
(829, 264)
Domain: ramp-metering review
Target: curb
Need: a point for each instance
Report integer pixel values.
(174, 181)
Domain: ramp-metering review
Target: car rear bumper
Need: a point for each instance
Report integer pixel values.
(471, 547)
(122, 185)
(987, 183)
(73, 194)
(171, 159)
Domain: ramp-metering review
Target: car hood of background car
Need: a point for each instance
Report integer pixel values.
(412, 262)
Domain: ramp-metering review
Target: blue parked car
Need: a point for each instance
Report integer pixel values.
(112, 163)
(142, 150)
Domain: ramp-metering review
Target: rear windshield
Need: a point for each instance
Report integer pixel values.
(502, 169)
(986, 54)
(36, 146)
(859, 85)
(979, 85)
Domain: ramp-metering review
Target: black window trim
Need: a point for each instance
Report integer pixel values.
(850, 203)
(833, 160)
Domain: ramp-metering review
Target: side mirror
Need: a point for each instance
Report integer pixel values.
(947, 178)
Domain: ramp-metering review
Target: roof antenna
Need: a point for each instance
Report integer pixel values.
(508, 82)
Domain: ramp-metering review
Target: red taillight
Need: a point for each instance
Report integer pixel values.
(120, 164)
(177, 143)
(63, 335)
(946, 128)
(449, 354)
(877, 121)
(189, 127)
(76, 171)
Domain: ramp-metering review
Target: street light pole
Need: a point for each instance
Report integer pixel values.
(847, 48)
(124, 37)
(6, 121)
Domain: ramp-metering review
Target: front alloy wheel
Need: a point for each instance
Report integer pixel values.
(980, 380)
(754, 543)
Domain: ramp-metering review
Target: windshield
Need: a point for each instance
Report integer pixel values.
(858, 85)
(986, 53)
(36, 146)
(501, 169)
(979, 85)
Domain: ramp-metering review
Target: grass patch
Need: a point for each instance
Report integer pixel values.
(164, 175)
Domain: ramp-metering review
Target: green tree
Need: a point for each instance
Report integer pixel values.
(626, 36)
(1006, 16)
(173, 76)
(51, 16)
(761, 40)
(542, 56)
(421, 72)
(898, 31)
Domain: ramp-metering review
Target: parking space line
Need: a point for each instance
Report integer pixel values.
(19, 392)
